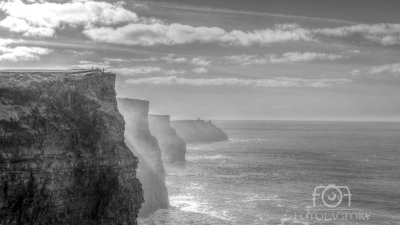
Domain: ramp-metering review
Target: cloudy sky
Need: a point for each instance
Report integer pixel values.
(222, 59)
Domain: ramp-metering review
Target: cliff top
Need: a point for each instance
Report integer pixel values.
(127, 100)
(23, 78)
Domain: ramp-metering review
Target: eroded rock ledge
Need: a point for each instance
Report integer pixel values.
(139, 139)
(173, 148)
(198, 131)
(63, 159)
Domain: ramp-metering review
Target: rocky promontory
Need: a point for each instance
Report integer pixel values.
(139, 139)
(198, 131)
(63, 159)
(173, 148)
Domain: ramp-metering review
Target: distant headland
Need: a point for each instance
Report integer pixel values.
(198, 131)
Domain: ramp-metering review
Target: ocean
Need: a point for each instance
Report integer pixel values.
(268, 172)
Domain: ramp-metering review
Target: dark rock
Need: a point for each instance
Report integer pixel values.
(151, 169)
(173, 148)
(198, 131)
(63, 159)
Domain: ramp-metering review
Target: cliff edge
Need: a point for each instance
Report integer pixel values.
(198, 131)
(151, 169)
(173, 148)
(63, 159)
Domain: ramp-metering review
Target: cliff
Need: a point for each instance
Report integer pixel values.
(63, 159)
(198, 131)
(173, 148)
(151, 169)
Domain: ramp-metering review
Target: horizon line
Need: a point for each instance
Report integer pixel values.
(293, 120)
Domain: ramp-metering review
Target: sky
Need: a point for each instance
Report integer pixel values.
(222, 59)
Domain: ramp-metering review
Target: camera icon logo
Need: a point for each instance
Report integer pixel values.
(331, 196)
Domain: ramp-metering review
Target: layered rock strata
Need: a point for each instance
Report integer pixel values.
(63, 159)
(139, 139)
(173, 148)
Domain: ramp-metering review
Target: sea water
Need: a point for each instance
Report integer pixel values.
(267, 172)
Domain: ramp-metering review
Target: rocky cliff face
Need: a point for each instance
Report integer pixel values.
(173, 148)
(198, 131)
(63, 159)
(151, 169)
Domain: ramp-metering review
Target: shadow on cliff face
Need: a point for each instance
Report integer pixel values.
(28, 203)
(63, 159)
(173, 148)
(145, 146)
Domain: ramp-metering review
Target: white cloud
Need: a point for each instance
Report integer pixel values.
(355, 72)
(20, 53)
(302, 57)
(355, 51)
(286, 57)
(136, 70)
(173, 34)
(200, 61)
(41, 19)
(219, 10)
(90, 64)
(116, 60)
(288, 26)
(200, 70)
(145, 70)
(174, 72)
(170, 59)
(21, 26)
(248, 59)
(277, 82)
(384, 34)
(152, 59)
(391, 68)
(4, 42)
(80, 52)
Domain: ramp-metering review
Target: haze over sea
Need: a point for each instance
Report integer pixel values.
(267, 172)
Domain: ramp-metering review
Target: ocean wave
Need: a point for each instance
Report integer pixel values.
(210, 157)
(190, 204)
(242, 175)
(261, 198)
(238, 140)
(292, 221)
(248, 140)
(200, 147)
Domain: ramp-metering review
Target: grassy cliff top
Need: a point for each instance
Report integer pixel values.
(23, 78)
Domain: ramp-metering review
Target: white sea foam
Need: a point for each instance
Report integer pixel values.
(242, 175)
(238, 140)
(196, 186)
(199, 147)
(207, 157)
(230, 176)
(185, 203)
(191, 204)
(291, 221)
(248, 140)
(262, 198)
